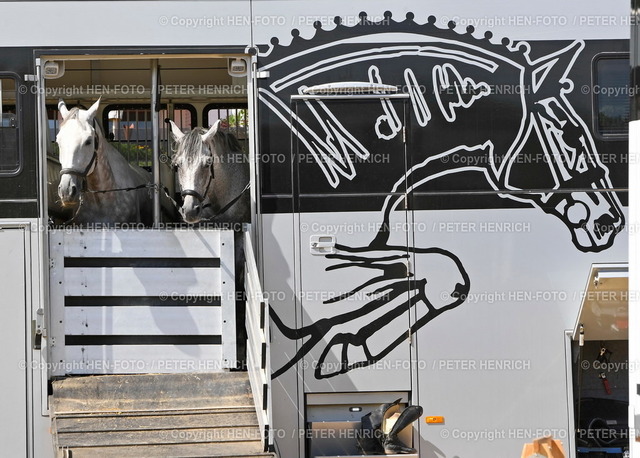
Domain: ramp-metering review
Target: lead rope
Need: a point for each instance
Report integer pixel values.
(230, 204)
(222, 210)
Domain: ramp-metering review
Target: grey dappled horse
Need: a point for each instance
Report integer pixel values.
(213, 173)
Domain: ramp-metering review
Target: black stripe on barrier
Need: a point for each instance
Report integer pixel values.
(266, 438)
(263, 315)
(168, 300)
(265, 394)
(143, 340)
(142, 262)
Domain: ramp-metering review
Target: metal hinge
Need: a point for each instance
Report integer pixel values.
(408, 266)
(261, 74)
(29, 77)
(37, 329)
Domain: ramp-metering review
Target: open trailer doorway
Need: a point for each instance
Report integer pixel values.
(600, 365)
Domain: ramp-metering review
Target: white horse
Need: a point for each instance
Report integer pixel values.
(96, 181)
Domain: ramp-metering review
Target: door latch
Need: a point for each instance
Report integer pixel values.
(322, 244)
(37, 329)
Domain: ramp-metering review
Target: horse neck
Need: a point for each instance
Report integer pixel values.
(102, 176)
(226, 171)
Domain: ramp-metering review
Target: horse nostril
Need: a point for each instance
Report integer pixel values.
(604, 225)
(73, 191)
(197, 209)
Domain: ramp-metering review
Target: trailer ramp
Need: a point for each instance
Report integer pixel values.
(210, 414)
(143, 345)
(141, 301)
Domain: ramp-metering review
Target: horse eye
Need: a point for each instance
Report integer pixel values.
(88, 142)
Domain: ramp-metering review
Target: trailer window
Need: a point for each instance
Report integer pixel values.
(234, 115)
(130, 131)
(612, 96)
(9, 145)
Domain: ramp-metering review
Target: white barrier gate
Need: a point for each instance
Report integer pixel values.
(141, 301)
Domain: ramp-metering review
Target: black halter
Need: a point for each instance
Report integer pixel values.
(87, 169)
(202, 197)
(196, 194)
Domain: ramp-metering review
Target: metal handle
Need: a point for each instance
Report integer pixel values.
(322, 244)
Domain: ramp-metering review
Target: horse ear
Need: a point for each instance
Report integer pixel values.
(211, 132)
(93, 109)
(62, 108)
(175, 130)
(555, 67)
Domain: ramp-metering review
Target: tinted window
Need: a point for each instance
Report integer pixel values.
(9, 146)
(612, 96)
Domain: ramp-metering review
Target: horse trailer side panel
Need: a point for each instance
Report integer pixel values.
(494, 367)
(13, 359)
(634, 282)
(542, 20)
(132, 23)
(280, 277)
(508, 192)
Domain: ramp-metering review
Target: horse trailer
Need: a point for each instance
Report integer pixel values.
(476, 284)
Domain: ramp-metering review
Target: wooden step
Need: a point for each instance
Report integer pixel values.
(159, 436)
(235, 450)
(104, 393)
(222, 418)
(156, 415)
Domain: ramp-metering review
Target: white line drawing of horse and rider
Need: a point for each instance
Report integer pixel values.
(592, 218)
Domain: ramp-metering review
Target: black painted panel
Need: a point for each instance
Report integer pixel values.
(16, 62)
(484, 117)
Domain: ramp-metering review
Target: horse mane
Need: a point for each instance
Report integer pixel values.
(191, 145)
(74, 114)
(229, 141)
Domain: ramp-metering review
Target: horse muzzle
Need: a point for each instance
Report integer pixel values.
(191, 209)
(69, 190)
(594, 218)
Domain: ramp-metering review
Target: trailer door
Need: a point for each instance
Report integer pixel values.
(349, 179)
(18, 217)
(13, 433)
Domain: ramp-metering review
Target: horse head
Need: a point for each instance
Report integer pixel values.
(194, 161)
(78, 142)
(581, 195)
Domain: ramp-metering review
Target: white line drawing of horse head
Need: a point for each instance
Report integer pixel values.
(453, 84)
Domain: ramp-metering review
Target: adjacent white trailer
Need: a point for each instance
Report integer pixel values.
(440, 199)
